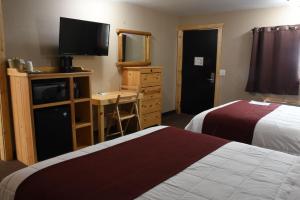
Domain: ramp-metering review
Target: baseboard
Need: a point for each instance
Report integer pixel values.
(171, 112)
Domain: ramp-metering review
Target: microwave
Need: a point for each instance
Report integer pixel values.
(50, 90)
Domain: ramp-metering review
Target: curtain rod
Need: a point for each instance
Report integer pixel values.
(281, 27)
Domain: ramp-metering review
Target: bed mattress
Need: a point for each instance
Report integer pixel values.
(279, 130)
(234, 171)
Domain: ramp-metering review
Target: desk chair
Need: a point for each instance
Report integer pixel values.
(121, 115)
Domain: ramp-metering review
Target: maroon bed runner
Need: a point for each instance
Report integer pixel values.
(236, 121)
(124, 171)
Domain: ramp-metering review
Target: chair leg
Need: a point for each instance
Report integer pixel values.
(126, 126)
(138, 116)
(127, 123)
(120, 122)
(109, 124)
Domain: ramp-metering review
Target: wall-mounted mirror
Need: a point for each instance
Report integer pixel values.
(133, 48)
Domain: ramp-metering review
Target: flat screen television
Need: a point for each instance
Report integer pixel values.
(78, 37)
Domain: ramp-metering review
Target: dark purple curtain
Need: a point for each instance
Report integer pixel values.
(275, 60)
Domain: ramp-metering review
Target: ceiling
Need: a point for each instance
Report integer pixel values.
(198, 7)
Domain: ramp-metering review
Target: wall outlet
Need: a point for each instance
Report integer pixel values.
(222, 72)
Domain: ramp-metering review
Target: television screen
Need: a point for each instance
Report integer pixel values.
(78, 37)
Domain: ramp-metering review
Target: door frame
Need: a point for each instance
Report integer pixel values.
(6, 149)
(180, 30)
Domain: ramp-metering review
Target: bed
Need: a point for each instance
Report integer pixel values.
(268, 125)
(203, 168)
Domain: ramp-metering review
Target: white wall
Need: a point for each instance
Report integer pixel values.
(32, 27)
(237, 43)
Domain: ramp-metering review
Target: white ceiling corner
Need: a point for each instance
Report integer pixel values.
(199, 7)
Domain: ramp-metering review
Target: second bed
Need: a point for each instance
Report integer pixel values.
(272, 126)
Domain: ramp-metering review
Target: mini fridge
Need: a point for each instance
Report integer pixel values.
(53, 131)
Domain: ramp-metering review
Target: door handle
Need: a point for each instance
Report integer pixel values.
(212, 78)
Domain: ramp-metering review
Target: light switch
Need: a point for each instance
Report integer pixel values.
(198, 61)
(222, 72)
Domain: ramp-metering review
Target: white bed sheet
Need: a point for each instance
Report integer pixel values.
(279, 130)
(235, 171)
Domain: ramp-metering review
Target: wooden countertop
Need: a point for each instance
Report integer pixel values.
(107, 98)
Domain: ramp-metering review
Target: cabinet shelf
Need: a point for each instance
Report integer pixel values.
(83, 137)
(82, 87)
(46, 105)
(81, 147)
(79, 100)
(82, 124)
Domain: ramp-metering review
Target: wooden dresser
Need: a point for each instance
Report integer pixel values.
(149, 80)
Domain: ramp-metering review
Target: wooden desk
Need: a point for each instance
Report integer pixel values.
(108, 98)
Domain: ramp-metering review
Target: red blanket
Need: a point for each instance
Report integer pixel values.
(236, 121)
(124, 171)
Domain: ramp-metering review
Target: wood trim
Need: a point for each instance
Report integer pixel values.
(29, 89)
(179, 70)
(187, 27)
(6, 149)
(218, 67)
(23, 119)
(148, 69)
(83, 125)
(147, 48)
(72, 106)
(119, 31)
(46, 105)
(16, 72)
(80, 100)
(132, 64)
(180, 30)
(120, 48)
(91, 113)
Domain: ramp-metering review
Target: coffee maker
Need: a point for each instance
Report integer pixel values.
(65, 63)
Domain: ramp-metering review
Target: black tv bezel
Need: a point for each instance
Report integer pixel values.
(79, 53)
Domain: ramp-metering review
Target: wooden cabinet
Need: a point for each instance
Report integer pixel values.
(78, 102)
(149, 80)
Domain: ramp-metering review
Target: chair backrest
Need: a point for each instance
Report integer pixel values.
(127, 100)
(129, 87)
(134, 88)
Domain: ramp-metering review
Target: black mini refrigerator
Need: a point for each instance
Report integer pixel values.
(53, 131)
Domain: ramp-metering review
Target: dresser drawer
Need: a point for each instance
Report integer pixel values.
(151, 79)
(151, 119)
(150, 106)
(151, 92)
(152, 96)
(150, 70)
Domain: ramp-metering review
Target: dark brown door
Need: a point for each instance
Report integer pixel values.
(198, 70)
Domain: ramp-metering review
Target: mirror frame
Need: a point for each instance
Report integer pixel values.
(147, 53)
